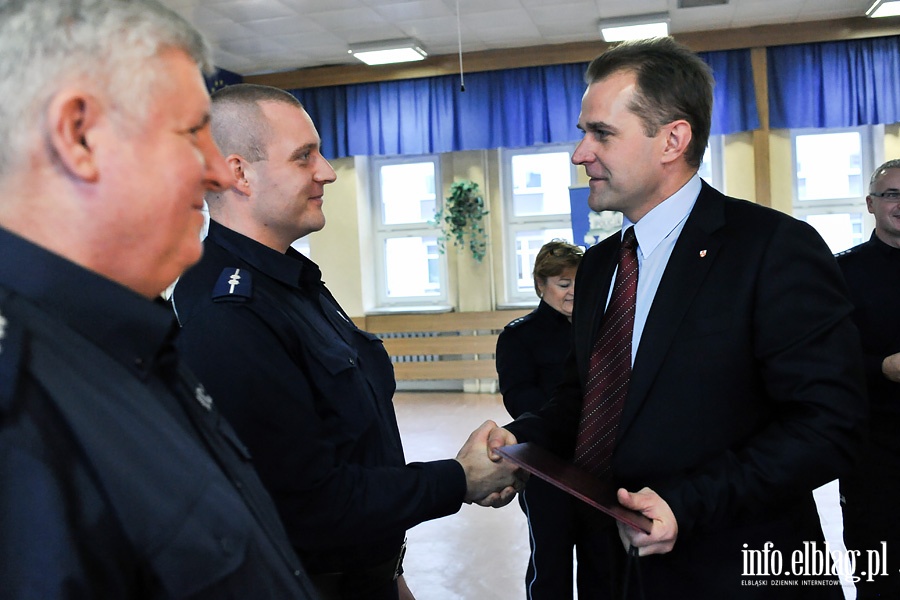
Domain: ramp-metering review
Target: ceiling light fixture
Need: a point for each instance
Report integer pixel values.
(388, 51)
(884, 8)
(637, 27)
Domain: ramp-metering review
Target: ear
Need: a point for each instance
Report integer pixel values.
(240, 169)
(72, 119)
(678, 136)
(870, 205)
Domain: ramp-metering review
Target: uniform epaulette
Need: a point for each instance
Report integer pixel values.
(849, 251)
(233, 284)
(519, 321)
(12, 335)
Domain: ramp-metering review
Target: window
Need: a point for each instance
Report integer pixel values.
(830, 176)
(712, 169)
(302, 246)
(409, 268)
(536, 185)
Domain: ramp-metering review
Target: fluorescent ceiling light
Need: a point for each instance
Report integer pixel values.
(638, 27)
(388, 51)
(884, 8)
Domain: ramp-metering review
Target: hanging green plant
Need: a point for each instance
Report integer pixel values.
(462, 218)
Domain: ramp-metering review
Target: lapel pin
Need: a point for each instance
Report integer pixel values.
(702, 253)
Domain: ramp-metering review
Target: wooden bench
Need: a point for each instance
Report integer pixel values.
(442, 346)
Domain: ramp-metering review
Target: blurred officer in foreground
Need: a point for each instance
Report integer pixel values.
(309, 392)
(118, 477)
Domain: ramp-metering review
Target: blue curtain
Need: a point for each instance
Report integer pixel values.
(835, 84)
(220, 79)
(734, 97)
(508, 108)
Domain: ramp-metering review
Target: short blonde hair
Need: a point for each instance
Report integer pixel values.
(552, 259)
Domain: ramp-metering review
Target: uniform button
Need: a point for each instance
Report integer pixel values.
(297, 573)
(139, 362)
(239, 485)
(351, 360)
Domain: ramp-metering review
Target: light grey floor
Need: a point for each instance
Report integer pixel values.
(481, 553)
(478, 553)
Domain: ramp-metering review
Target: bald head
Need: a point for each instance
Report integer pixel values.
(880, 172)
(238, 123)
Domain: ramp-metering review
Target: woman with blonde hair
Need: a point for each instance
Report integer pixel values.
(530, 355)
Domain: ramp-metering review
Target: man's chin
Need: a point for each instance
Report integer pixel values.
(189, 256)
(598, 202)
(313, 225)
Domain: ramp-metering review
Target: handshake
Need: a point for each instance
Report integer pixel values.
(490, 480)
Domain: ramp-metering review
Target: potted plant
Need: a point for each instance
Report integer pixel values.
(462, 218)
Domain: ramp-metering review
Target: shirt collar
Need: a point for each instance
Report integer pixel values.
(290, 268)
(883, 247)
(124, 324)
(657, 224)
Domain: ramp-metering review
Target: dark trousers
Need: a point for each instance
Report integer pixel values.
(330, 588)
(864, 531)
(600, 554)
(551, 529)
(559, 523)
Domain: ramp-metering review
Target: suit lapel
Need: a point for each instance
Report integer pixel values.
(693, 255)
(609, 260)
(594, 278)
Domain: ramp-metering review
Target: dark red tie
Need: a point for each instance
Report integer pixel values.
(610, 368)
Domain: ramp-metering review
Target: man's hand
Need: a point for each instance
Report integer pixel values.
(664, 530)
(497, 438)
(489, 481)
(890, 366)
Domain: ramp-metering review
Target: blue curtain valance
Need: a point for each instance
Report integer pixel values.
(508, 108)
(835, 84)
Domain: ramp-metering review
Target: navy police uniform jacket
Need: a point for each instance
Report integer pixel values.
(531, 351)
(872, 271)
(118, 477)
(311, 396)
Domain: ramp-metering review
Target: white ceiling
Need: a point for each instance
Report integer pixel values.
(264, 36)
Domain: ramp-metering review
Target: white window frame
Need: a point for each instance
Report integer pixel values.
(715, 157)
(383, 232)
(872, 148)
(514, 224)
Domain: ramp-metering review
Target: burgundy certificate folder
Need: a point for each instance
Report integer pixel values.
(575, 481)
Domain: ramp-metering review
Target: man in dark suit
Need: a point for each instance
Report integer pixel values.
(744, 392)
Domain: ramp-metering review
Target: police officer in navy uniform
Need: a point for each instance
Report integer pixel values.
(118, 476)
(872, 270)
(530, 354)
(309, 392)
